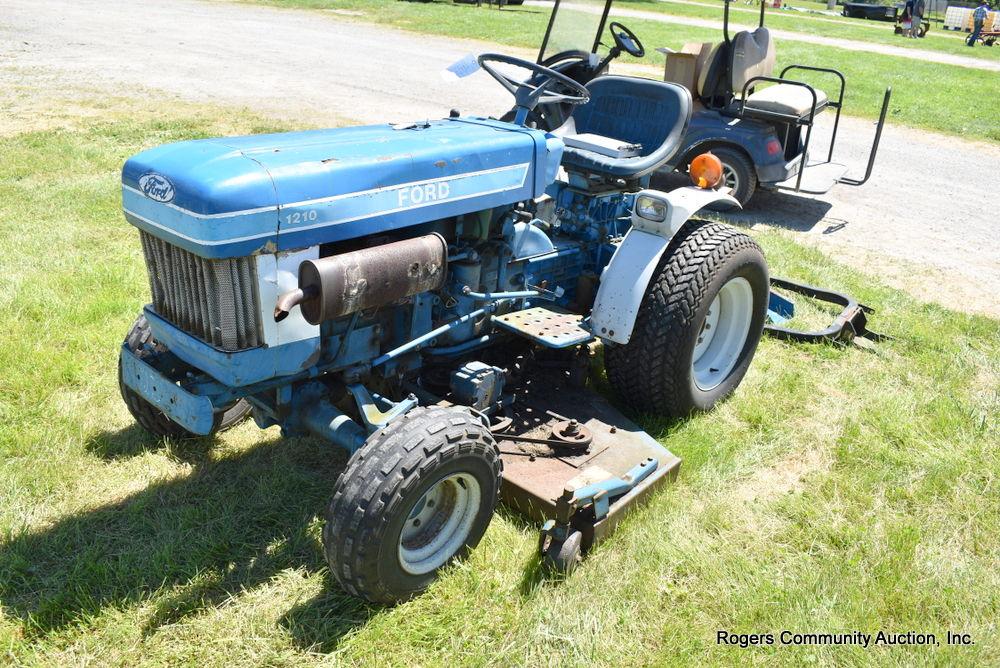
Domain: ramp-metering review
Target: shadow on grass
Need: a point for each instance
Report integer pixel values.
(190, 543)
(185, 544)
(134, 441)
(318, 624)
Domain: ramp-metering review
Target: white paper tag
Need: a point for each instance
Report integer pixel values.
(461, 68)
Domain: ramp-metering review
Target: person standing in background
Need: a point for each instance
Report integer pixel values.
(978, 19)
(916, 15)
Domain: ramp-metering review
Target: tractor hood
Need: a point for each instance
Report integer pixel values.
(237, 196)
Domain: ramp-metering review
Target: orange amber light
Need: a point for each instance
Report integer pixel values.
(706, 171)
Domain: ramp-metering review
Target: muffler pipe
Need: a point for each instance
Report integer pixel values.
(290, 300)
(338, 285)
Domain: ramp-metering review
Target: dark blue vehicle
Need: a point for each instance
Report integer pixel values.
(873, 11)
(758, 125)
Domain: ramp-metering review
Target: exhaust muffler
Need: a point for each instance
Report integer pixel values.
(338, 285)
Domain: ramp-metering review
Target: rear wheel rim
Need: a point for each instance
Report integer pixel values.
(439, 523)
(730, 178)
(723, 334)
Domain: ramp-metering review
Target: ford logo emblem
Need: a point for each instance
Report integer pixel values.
(155, 186)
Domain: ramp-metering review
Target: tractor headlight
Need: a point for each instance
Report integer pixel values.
(651, 208)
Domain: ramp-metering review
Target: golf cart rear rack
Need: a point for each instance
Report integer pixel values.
(807, 121)
(827, 173)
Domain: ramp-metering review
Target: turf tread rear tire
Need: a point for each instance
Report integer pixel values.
(378, 483)
(650, 372)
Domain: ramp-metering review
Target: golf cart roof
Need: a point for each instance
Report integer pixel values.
(576, 27)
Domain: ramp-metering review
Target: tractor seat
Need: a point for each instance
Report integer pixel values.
(786, 99)
(628, 129)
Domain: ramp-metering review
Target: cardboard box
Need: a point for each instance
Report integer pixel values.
(683, 67)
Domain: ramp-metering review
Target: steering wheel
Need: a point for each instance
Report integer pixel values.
(528, 95)
(564, 57)
(626, 40)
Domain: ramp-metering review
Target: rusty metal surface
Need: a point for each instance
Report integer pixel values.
(567, 436)
(546, 325)
(535, 475)
(341, 284)
(572, 434)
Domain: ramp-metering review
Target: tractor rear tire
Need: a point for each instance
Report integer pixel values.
(419, 494)
(711, 275)
(139, 341)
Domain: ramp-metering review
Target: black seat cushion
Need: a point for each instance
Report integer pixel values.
(654, 114)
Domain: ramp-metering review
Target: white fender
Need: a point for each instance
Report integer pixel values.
(625, 278)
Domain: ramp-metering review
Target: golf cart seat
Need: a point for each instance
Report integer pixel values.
(785, 99)
(752, 55)
(628, 129)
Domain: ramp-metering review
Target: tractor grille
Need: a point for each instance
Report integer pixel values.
(214, 300)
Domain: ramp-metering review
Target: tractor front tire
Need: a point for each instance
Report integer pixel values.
(140, 341)
(698, 325)
(419, 494)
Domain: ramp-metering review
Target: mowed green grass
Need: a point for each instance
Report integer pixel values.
(944, 98)
(837, 490)
(861, 30)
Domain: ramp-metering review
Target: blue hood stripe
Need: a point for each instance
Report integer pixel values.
(201, 216)
(380, 201)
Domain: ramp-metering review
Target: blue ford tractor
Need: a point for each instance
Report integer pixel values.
(430, 297)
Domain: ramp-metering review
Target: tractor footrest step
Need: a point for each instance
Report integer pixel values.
(547, 326)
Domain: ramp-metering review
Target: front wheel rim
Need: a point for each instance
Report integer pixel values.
(723, 334)
(439, 523)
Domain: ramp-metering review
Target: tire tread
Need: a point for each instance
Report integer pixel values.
(647, 370)
(373, 488)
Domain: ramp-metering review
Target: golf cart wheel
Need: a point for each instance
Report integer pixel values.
(698, 325)
(419, 494)
(140, 341)
(738, 173)
(563, 556)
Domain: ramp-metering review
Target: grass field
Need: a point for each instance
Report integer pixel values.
(838, 489)
(876, 32)
(925, 95)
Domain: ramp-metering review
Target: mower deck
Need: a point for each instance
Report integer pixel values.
(539, 478)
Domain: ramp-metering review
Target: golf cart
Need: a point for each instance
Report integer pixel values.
(761, 134)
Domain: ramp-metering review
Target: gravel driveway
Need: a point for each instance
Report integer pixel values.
(923, 223)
